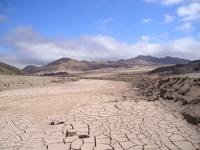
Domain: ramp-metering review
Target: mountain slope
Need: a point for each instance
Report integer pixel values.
(191, 67)
(68, 64)
(9, 70)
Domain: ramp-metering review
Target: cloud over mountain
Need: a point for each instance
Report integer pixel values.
(31, 47)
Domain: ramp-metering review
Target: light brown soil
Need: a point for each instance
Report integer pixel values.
(8, 82)
(90, 115)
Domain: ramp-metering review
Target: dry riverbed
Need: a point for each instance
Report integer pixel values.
(90, 115)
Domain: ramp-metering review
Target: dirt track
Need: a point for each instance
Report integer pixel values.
(91, 114)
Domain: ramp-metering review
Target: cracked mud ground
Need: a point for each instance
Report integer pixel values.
(90, 115)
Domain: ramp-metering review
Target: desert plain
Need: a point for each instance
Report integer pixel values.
(97, 110)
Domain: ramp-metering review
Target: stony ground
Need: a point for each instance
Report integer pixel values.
(90, 115)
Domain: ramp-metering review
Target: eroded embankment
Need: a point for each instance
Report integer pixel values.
(182, 93)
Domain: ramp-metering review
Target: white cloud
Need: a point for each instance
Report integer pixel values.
(185, 27)
(30, 47)
(145, 38)
(146, 20)
(172, 2)
(187, 12)
(190, 12)
(168, 18)
(167, 2)
(187, 45)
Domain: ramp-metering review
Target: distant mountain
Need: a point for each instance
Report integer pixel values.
(68, 64)
(160, 61)
(31, 69)
(191, 67)
(142, 60)
(6, 69)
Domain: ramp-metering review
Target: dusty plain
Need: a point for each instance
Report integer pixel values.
(86, 113)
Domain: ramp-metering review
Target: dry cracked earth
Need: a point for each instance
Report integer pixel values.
(90, 115)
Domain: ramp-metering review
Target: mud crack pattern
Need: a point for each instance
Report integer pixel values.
(123, 125)
(104, 116)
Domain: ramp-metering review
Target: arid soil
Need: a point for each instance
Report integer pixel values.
(17, 82)
(90, 115)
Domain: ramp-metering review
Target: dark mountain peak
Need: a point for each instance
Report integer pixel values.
(163, 60)
(64, 59)
(169, 57)
(30, 69)
(174, 60)
(61, 60)
(144, 57)
(84, 61)
(31, 66)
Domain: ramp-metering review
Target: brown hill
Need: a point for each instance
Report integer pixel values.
(8, 69)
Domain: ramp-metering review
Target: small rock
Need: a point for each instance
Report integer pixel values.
(83, 136)
(71, 133)
(191, 119)
(56, 122)
(196, 100)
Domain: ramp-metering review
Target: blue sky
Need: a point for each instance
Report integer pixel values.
(38, 31)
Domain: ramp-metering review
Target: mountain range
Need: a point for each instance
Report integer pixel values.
(73, 65)
(68, 64)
